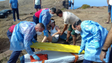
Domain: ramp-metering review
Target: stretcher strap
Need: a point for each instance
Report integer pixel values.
(76, 57)
(43, 61)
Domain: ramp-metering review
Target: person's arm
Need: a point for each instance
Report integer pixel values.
(33, 2)
(108, 41)
(58, 31)
(40, 2)
(44, 21)
(28, 36)
(93, 29)
(27, 43)
(65, 28)
(83, 41)
(45, 30)
(82, 47)
(66, 22)
(108, 2)
(10, 4)
(106, 45)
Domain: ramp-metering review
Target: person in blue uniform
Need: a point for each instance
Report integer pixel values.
(22, 38)
(45, 18)
(93, 38)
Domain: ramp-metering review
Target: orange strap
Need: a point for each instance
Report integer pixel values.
(43, 61)
(76, 57)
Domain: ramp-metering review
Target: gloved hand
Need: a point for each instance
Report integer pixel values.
(97, 45)
(35, 57)
(80, 51)
(34, 41)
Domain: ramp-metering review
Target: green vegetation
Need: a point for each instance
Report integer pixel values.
(85, 6)
(63, 9)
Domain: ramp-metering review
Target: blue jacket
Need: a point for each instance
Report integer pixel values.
(92, 32)
(45, 19)
(22, 36)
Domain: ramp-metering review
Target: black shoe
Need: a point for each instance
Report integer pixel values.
(66, 42)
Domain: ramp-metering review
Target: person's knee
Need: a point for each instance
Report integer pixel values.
(49, 38)
(68, 32)
(74, 36)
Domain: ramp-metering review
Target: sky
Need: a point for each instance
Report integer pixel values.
(79, 3)
(1, 0)
(90, 2)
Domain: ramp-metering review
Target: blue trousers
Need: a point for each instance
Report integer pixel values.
(35, 19)
(66, 4)
(87, 61)
(9, 34)
(37, 6)
(15, 10)
(14, 56)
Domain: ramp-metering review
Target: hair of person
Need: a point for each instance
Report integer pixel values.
(53, 20)
(53, 10)
(77, 23)
(41, 25)
(58, 12)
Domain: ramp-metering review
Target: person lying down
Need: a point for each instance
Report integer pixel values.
(54, 33)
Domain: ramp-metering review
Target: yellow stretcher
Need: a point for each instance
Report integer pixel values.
(57, 47)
